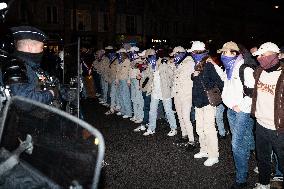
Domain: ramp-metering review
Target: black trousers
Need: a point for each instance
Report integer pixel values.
(266, 141)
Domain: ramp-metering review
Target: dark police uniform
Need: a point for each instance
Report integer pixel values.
(31, 61)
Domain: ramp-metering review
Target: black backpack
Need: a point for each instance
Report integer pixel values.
(247, 91)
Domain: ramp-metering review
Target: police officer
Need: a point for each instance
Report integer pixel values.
(29, 49)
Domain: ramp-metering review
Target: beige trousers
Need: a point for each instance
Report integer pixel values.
(206, 130)
(183, 107)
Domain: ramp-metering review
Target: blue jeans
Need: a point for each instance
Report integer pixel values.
(277, 166)
(153, 113)
(113, 95)
(137, 99)
(241, 125)
(97, 82)
(192, 114)
(105, 90)
(146, 109)
(219, 119)
(124, 98)
(108, 93)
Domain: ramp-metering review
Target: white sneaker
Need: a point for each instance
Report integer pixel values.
(173, 132)
(118, 113)
(147, 124)
(211, 161)
(125, 116)
(111, 111)
(133, 119)
(102, 102)
(256, 170)
(140, 128)
(105, 104)
(261, 186)
(138, 121)
(200, 155)
(149, 132)
(277, 179)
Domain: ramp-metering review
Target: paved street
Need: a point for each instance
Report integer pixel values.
(136, 161)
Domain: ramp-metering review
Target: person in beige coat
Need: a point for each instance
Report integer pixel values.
(104, 71)
(159, 85)
(182, 93)
(136, 93)
(113, 66)
(122, 80)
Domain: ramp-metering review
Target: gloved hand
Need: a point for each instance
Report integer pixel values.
(55, 92)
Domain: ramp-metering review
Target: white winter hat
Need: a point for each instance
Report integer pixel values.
(178, 49)
(197, 46)
(266, 47)
(108, 48)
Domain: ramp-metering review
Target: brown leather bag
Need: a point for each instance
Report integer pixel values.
(214, 96)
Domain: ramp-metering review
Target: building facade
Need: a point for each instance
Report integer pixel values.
(149, 22)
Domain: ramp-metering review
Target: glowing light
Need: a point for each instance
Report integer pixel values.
(276, 6)
(96, 141)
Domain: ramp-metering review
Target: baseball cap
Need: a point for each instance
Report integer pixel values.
(177, 49)
(149, 52)
(228, 47)
(265, 47)
(109, 48)
(122, 50)
(132, 49)
(197, 46)
(142, 54)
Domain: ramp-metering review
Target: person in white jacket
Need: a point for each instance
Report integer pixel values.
(239, 107)
(182, 93)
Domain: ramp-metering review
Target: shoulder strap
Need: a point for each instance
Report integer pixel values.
(242, 71)
(247, 91)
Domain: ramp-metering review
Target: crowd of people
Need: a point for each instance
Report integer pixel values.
(133, 83)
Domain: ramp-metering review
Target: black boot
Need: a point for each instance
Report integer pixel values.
(181, 141)
(238, 185)
(191, 146)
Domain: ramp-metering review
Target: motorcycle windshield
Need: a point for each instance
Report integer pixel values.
(66, 151)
